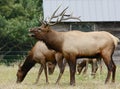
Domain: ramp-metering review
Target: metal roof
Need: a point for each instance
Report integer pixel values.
(89, 10)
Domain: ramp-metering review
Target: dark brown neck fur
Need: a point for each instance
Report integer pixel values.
(54, 40)
(28, 64)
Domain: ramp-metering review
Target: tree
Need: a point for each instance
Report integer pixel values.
(16, 17)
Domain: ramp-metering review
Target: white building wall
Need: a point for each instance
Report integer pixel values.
(89, 10)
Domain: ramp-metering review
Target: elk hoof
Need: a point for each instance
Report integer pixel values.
(93, 74)
(56, 83)
(72, 84)
(47, 82)
(35, 83)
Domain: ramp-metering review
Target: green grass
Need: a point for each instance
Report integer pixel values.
(8, 79)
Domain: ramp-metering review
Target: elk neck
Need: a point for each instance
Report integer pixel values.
(54, 40)
(28, 64)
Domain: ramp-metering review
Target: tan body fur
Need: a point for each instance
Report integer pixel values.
(77, 44)
(85, 44)
(40, 51)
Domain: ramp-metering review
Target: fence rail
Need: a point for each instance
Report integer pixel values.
(19, 55)
(11, 57)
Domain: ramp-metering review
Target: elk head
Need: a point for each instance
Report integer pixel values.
(20, 74)
(51, 67)
(39, 32)
(23, 70)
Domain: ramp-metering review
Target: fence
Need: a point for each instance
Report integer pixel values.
(13, 56)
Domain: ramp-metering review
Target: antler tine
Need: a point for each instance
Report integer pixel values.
(62, 16)
(54, 13)
(71, 17)
(63, 12)
(58, 20)
(40, 19)
(60, 13)
(51, 24)
(45, 21)
(77, 18)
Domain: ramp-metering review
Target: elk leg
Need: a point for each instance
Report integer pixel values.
(39, 73)
(61, 66)
(94, 67)
(107, 57)
(45, 71)
(109, 73)
(108, 63)
(86, 67)
(113, 71)
(80, 68)
(72, 66)
(100, 64)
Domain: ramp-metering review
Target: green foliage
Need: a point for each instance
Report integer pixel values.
(18, 10)
(16, 17)
(2, 22)
(6, 7)
(5, 11)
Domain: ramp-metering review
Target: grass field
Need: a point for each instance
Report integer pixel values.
(8, 79)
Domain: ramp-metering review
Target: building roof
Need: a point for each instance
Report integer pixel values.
(89, 10)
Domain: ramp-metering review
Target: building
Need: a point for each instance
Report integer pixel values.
(95, 15)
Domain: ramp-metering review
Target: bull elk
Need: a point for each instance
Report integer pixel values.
(78, 44)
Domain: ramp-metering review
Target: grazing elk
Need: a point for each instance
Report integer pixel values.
(84, 65)
(38, 54)
(77, 44)
(41, 54)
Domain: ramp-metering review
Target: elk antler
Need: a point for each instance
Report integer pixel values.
(57, 16)
(53, 15)
(60, 17)
(70, 17)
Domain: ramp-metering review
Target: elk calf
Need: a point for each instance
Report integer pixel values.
(84, 65)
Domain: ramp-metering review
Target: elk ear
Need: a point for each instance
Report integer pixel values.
(45, 28)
